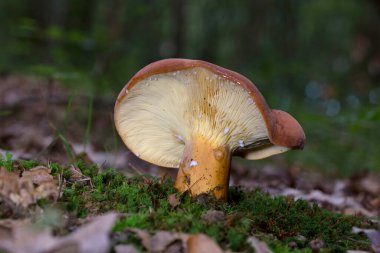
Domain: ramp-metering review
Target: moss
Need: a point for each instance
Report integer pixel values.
(73, 200)
(144, 200)
(7, 161)
(28, 164)
(87, 170)
(278, 248)
(55, 168)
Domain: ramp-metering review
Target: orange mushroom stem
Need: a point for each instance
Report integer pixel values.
(204, 168)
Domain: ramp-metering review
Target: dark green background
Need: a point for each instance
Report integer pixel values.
(319, 60)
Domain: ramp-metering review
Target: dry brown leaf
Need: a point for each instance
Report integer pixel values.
(7, 226)
(125, 249)
(143, 235)
(46, 190)
(201, 243)
(171, 242)
(90, 238)
(75, 173)
(258, 246)
(15, 191)
(27, 189)
(375, 240)
(160, 241)
(27, 238)
(38, 175)
(8, 182)
(176, 247)
(67, 248)
(5, 233)
(94, 236)
(174, 200)
(316, 245)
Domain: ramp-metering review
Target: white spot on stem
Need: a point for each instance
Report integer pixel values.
(193, 163)
(226, 130)
(241, 143)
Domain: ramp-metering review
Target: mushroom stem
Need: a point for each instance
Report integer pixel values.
(205, 168)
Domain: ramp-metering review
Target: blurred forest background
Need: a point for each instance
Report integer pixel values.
(317, 59)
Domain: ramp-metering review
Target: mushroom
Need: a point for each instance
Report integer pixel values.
(194, 115)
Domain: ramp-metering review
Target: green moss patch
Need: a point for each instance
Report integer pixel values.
(144, 201)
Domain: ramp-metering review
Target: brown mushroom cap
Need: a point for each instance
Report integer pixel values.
(169, 101)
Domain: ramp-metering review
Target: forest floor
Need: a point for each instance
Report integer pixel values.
(57, 147)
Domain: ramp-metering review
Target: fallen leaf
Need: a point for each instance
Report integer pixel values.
(171, 242)
(7, 225)
(89, 238)
(75, 173)
(67, 248)
(375, 240)
(38, 175)
(94, 236)
(125, 249)
(258, 246)
(143, 235)
(8, 182)
(316, 245)
(176, 247)
(27, 189)
(292, 245)
(201, 243)
(15, 191)
(174, 200)
(46, 190)
(160, 241)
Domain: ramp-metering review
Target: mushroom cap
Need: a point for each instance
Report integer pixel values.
(169, 101)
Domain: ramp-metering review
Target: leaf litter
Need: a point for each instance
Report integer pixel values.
(173, 242)
(92, 237)
(26, 189)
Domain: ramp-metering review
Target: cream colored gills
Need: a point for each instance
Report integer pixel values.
(160, 114)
